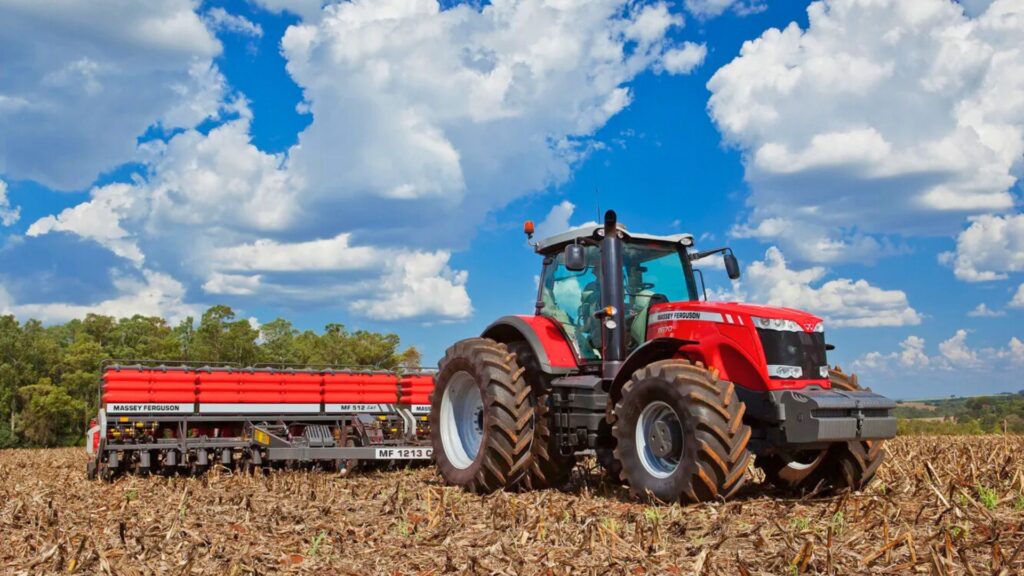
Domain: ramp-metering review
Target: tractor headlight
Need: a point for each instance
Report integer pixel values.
(778, 371)
(823, 371)
(819, 327)
(777, 324)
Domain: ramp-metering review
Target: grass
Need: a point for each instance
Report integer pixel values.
(314, 547)
(989, 498)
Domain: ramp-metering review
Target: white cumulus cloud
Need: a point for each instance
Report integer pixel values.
(9, 215)
(220, 19)
(420, 116)
(989, 248)
(842, 302)
(882, 117)
(155, 294)
(82, 80)
(983, 311)
(446, 115)
(954, 355)
(99, 220)
(1018, 298)
(557, 220)
(418, 285)
(683, 60)
(712, 8)
(324, 254)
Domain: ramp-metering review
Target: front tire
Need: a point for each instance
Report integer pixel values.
(680, 435)
(481, 419)
(845, 465)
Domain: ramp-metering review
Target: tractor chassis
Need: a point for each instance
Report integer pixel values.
(798, 419)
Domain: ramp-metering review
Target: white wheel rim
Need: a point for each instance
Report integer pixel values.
(795, 471)
(658, 417)
(462, 410)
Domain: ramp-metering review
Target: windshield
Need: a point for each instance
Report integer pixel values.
(653, 269)
(652, 273)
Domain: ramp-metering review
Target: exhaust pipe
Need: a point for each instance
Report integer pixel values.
(613, 333)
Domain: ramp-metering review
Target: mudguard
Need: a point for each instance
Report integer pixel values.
(650, 351)
(549, 343)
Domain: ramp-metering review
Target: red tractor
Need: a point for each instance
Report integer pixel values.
(625, 356)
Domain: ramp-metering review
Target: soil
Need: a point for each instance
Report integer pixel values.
(940, 505)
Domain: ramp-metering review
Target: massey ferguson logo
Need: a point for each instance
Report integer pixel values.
(809, 326)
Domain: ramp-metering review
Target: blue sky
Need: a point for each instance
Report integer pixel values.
(371, 163)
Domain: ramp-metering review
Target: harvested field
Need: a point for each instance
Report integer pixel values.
(942, 505)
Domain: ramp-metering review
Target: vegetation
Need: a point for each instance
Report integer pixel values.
(49, 374)
(975, 415)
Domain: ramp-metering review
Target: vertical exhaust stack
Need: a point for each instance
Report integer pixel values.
(613, 334)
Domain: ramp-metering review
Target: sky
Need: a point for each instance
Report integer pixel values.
(372, 162)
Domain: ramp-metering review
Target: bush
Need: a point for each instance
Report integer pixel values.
(50, 415)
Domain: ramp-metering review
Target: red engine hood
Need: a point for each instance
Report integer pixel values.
(733, 309)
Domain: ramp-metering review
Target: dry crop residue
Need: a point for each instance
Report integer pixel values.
(941, 505)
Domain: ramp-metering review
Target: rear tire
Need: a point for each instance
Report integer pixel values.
(680, 434)
(481, 419)
(844, 465)
(549, 468)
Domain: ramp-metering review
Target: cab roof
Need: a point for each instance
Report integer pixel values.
(590, 231)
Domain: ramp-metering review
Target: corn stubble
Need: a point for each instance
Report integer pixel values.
(941, 505)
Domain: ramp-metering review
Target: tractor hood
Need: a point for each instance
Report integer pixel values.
(758, 347)
(735, 313)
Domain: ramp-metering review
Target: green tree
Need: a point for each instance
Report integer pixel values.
(143, 338)
(279, 342)
(185, 336)
(100, 328)
(221, 338)
(50, 416)
(83, 355)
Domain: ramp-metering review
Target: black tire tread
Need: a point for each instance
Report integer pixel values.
(722, 459)
(509, 420)
(549, 468)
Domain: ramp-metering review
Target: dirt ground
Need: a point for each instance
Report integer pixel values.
(941, 505)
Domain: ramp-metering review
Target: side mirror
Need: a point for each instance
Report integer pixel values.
(732, 266)
(575, 258)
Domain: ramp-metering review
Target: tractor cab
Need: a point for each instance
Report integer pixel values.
(655, 270)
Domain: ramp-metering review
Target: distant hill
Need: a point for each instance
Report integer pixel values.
(968, 415)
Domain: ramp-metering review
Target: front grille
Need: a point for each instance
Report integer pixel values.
(803, 349)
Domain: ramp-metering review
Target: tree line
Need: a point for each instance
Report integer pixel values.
(975, 415)
(49, 375)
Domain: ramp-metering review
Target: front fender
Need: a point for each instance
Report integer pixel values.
(651, 351)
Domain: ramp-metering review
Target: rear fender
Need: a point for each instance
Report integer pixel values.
(550, 347)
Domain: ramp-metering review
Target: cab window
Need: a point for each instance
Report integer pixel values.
(653, 273)
(571, 298)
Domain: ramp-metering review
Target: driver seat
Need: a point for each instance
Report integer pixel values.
(641, 309)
